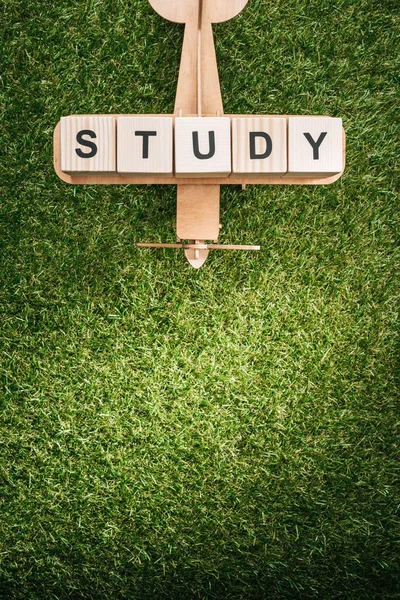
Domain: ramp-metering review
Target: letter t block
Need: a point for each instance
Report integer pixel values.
(145, 145)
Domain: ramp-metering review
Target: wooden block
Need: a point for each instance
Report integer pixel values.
(259, 146)
(315, 146)
(145, 145)
(202, 146)
(88, 145)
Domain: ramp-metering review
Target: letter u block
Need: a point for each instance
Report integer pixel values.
(259, 146)
(88, 145)
(202, 146)
(315, 146)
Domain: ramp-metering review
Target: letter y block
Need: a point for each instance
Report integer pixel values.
(315, 146)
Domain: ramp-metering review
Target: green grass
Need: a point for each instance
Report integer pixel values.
(227, 433)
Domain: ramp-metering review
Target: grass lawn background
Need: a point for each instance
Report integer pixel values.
(224, 433)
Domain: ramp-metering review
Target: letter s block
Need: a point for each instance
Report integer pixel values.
(315, 146)
(202, 146)
(259, 146)
(88, 145)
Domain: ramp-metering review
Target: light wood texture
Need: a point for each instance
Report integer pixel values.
(198, 246)
(187, 95)
(197, 212)
(197, 253)
(178, 10)
(196, 257)
(315, 146)
(198, 69)
(209, 138)
(233, 179)
(198, 72)
(218, 11)
(233, 247)
(168, 245)
(139, 153)
(88, 145)
(242, 146)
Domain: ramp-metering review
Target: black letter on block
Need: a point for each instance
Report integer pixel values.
(146, 135)
(82, 142)
(211, 141)
(316, 145)
(267, 138)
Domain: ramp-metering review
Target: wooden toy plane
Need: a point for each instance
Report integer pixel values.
(198, 148)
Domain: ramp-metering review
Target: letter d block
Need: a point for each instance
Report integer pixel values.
(88, 145)
(145, 145)
(202, 146)
(259, 146)
(315, 146)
